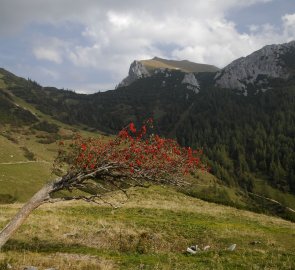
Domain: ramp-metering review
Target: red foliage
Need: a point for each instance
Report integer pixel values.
(135, 153)
(132, 127)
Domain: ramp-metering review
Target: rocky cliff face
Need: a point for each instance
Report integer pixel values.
(255, 72)
(257, 68)
(191, 82)
(136, 71)
(146, 68)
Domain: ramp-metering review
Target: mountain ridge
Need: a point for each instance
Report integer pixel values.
(258, 68)
(183, 65)
(146, 68)
(248, 140)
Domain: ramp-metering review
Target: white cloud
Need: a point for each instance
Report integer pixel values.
(50, 49)
(116, 32)
(49, 73)
(289, 26)
(17, 13)
(48, 54)
(199, 31)
(119, 21)
(94, 87)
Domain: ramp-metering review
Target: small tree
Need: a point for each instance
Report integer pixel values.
(96, 167)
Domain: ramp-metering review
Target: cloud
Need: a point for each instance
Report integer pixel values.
(199, 30)
(50, 49)
(113, 33)
(289, 26)
(48, 54)
(17, 13)
(49, 73)
(94, 87)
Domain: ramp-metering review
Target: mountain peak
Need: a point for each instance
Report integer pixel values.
(270, 62)
(145, 68)
(136, 71)
(183, 65)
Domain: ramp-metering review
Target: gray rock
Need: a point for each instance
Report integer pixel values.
(232, 247)
(192, 83)
(256, 68)
(191, 251)
(136, 71)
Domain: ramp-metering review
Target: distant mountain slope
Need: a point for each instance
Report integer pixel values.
(255, 71)
(146, 68)
(11, 112)
(249, 140)
(183, 65)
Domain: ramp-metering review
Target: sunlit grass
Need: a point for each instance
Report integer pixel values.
(152, 229)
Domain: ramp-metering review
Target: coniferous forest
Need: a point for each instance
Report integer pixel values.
(243, 137)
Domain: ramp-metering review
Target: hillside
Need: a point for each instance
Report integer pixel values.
(28, 142)
(152, 230)
(183, 65)
(149, 68)
(257, 71)
(248, 140)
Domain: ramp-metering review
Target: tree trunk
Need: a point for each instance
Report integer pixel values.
(38, 199)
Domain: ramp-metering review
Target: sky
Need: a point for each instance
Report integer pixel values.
(88, 45)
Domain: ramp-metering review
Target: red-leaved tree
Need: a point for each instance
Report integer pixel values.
(96, 167)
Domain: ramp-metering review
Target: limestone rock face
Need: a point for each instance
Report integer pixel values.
(192, 83)
(256, 69)
(136, 71)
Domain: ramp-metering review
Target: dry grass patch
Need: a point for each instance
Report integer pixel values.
(61, 261)
(152, 229)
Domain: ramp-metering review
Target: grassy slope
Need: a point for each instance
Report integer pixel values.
(2, 84)
(284, 198)
(154, 64)
(151, 231)
(21, 177)
(185, 65)
(261, 187)
(22, 180)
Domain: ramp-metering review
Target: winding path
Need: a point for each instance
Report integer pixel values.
(24, 162)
